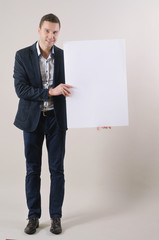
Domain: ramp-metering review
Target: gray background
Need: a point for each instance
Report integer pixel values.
(112, 180)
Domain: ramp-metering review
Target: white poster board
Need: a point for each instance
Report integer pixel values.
(97, 70)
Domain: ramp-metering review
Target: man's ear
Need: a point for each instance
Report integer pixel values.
(39, 30)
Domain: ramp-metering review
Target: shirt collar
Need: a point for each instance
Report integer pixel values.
(39, 52)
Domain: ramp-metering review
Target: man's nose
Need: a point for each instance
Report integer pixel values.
(51, 35)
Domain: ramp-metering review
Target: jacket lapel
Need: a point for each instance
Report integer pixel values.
(35, 64)
(56, 66)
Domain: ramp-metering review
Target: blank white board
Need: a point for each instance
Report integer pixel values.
(97, 70)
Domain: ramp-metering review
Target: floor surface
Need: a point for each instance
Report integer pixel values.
(85, 219)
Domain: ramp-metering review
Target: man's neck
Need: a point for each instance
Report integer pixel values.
(44, 51)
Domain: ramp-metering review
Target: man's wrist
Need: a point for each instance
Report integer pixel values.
(50, 92)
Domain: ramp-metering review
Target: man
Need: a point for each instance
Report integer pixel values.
(40, 85)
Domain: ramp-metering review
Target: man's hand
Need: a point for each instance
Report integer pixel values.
(61, 89)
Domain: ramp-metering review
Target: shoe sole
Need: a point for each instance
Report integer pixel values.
(54, 232)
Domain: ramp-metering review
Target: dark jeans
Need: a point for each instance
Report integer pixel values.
(55, 142)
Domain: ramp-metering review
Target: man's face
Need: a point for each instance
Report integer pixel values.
(48, 34)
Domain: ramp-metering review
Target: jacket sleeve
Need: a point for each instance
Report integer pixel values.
(23, 87)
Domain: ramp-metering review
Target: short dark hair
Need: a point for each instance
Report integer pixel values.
(50, 18)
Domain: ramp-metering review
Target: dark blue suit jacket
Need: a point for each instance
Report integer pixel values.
(28, 86)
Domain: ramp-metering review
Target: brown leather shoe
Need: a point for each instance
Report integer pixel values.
(56, 226)
(32, 225)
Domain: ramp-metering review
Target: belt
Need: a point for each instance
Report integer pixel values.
(47, 113)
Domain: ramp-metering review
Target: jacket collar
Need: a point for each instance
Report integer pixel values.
(34, 48)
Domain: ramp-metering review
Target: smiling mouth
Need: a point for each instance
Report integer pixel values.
(50, 42)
